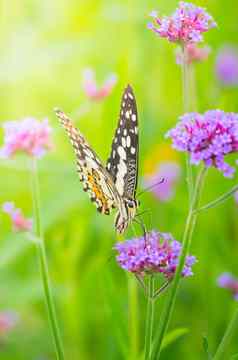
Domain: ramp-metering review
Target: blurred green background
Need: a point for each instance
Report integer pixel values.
(45, 45)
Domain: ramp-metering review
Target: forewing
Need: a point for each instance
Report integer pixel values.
(95, 178)
(123, 161)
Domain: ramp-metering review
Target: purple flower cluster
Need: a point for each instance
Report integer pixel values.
(208, 137)
(185, 25)
(158, 253)
(227, 66)
(228, 281)
(29, 135)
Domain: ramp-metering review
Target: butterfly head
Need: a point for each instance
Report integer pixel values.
(126, 214)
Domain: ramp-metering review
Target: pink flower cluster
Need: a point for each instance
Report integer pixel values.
(194, 54)
(207, 137)
(185, 25)
(8, 320)
(19, 222)
(228, 281)
(90, 85)
(29, 135)
(163, 182)
(158, 253)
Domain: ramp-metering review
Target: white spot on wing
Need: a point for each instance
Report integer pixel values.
(88, 152)
(121, 152)
(133, 117)
(125, 132)
(123, 141)
(92, 163)
(122, 170)
(133, 150)
(130, 96)
(127, 114)
(128, 141)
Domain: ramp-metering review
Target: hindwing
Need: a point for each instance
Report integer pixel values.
(95, 178)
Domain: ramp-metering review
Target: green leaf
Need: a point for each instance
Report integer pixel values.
(206, 347)
(172, 336)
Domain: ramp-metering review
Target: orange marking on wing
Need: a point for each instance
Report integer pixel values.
(97, 191)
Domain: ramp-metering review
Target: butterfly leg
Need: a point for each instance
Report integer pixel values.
(139, 221)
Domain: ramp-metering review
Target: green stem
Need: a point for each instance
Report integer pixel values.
(192, 80)
(187, 236)
(149, 319)
(185, 75)
(219, 355)
(186, 106)
(219, 200)
(133, 317)
(43, 263)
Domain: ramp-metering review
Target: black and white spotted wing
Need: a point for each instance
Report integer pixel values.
(96, 180)
(123, 161)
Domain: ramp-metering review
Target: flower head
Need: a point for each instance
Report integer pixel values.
(8, 320)
(207, 137)
(227, 66)
(90, 86)
(228, 281)
(19, 222)
(158, 253)
(29, 135)
(164, 179)
(194, 54)
(186, 25)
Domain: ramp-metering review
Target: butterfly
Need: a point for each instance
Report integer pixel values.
(113, 185)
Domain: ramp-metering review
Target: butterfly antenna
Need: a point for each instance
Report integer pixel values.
(150, 187)
(144, 212)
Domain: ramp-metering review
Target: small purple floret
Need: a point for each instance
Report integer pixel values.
(158, 254)
(228, 281)
(207, 137)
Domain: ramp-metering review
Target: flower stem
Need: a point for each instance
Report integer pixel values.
(43, 263)
(219, 200)
(186, 106)
(133, 317)
(187, 236)
(185, 75)
(149, 318)
(219, 355)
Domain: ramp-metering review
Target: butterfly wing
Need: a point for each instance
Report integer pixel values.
(123, 161)
(96, 180)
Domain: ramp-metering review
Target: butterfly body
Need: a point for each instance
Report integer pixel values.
(113, 186)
